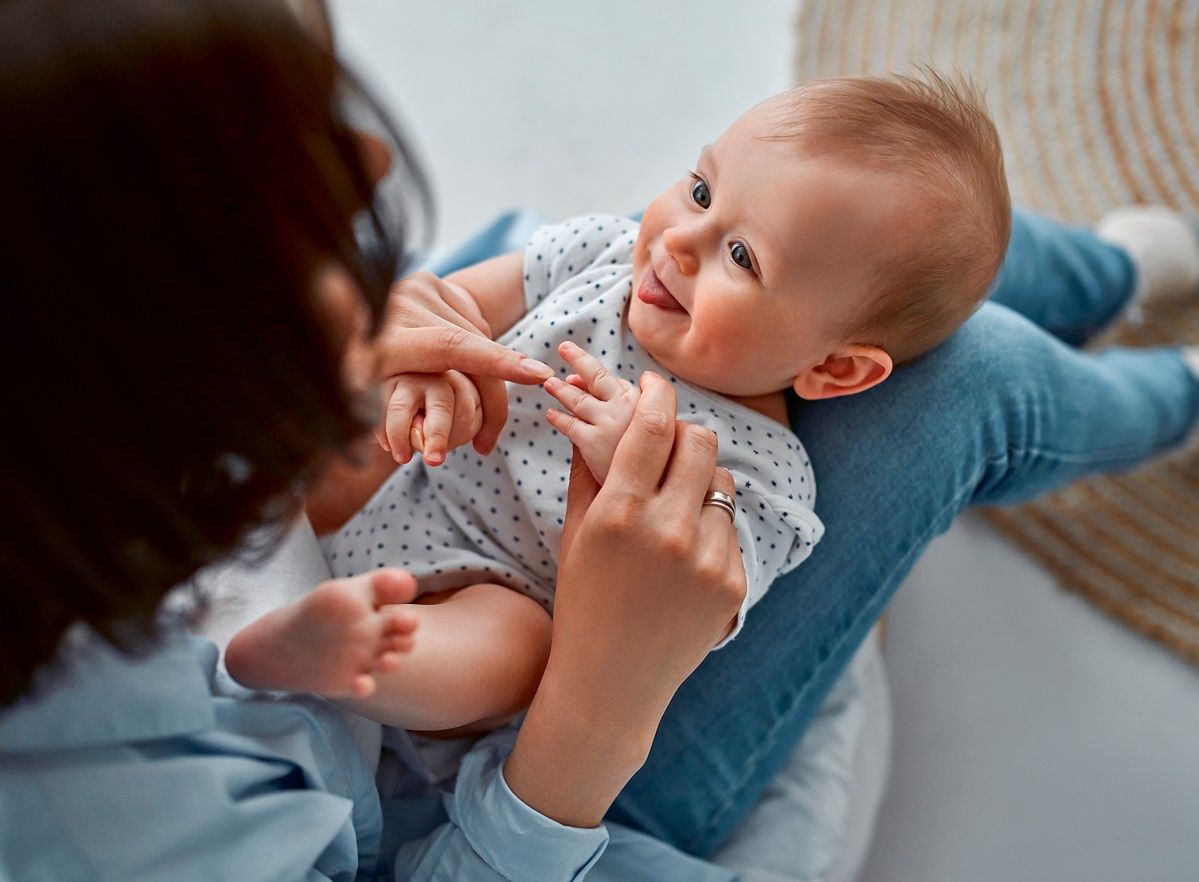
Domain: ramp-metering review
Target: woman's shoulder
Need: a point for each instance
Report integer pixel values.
(94, 695)
(119, 760)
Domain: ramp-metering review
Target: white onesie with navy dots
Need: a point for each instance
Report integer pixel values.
(499, 518)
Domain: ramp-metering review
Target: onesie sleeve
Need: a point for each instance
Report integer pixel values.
(776, 522)
(557, 253)
(776, 534)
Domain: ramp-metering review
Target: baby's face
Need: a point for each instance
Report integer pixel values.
(748, 272)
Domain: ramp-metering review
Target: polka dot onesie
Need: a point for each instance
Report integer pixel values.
(499, 518)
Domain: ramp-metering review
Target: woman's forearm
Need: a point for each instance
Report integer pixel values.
(572, 757)
(648, 579)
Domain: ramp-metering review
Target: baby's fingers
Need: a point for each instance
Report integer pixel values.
(397, 420)
(599, 380)
(416, 434)
(578, 401)
(439, 420)
(493, 398)
(572, 427)
(468, 409)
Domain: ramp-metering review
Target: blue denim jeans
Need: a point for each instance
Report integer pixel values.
(1001, 412)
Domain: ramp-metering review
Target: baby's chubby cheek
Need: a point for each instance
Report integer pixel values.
(717, 357)
(641, 258)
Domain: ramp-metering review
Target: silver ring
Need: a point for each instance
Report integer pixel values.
(721, 500)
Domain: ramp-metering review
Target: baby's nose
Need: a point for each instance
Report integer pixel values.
(681, 250)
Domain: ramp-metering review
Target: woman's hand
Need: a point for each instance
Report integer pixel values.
(428, 327)
(431, 326)
(648, 582)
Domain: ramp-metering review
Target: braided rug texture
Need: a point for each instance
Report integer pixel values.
(1097, 102)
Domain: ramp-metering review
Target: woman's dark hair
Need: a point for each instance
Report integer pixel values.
(173, 175)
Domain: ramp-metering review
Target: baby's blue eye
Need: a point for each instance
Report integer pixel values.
(700, 194)
(740, 255)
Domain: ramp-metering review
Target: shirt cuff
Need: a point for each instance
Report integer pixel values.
(514, 839)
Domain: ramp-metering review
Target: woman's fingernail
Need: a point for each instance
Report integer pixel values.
(536, 368)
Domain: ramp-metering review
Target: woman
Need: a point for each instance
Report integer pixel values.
(204, 326)
(212, 298)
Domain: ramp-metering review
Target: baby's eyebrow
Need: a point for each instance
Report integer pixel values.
(704, 152)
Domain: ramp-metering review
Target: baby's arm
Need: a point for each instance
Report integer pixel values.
(600, 408)
(497, 287)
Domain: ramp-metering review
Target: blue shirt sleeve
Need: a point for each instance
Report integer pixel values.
(152, 768)
(138, 767)
(493, 835)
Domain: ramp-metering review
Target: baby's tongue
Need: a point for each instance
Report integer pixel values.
(653, 292)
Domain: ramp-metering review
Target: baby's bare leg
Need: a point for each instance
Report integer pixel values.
(478, 656)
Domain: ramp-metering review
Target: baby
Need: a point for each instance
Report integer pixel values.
(833, 232)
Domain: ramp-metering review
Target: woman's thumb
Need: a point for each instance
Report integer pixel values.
(580, 493)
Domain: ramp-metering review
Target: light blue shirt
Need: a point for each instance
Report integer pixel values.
(158, 767)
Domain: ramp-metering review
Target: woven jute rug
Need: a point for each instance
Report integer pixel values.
(1097, 102)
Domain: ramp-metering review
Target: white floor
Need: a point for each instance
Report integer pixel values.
(565, 107)
(1035, 740)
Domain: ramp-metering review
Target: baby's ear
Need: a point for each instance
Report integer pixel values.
(847, 371)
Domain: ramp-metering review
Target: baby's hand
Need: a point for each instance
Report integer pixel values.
(600, 408)
(429, 414)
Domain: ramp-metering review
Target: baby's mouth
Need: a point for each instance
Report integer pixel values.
(652, 291)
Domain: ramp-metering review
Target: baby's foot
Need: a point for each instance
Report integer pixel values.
(1190, 355)
(1163, 247)
(331, 642)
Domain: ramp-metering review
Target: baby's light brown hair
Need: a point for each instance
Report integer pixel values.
(934, 133)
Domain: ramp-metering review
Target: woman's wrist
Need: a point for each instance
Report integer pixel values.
(574, 754)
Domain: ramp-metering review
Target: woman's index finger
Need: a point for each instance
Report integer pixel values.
(436, 349)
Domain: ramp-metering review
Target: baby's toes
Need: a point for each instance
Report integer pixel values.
(391, 586)
(399, 622)
(399, 643)
(389, 661)
(363, 686)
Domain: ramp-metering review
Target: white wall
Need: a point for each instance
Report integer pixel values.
(564, 107)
